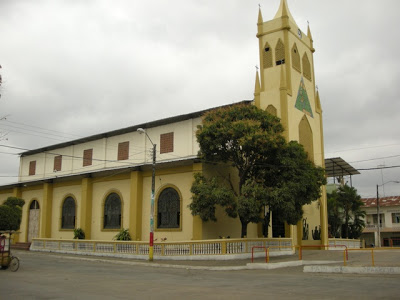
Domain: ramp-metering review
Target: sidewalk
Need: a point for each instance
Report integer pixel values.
(386, 261)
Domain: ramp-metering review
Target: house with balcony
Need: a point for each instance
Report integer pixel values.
(389, 221)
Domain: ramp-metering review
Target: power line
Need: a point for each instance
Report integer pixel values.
(55, 132)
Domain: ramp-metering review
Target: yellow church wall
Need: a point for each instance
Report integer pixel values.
(182, 183)
(4, 195)
(312, 217)
(225, 225)
(101, 189)
(59, 195)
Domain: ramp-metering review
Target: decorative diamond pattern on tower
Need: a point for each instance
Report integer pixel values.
(302, 101)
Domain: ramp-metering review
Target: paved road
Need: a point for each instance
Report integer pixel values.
(47, 276)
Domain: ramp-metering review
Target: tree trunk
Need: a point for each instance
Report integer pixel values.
(244, 228)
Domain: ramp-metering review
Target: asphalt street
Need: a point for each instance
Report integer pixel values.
(55, 276)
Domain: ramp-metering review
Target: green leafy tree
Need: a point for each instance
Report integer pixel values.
(250, 140)
(335, 219)
(291, 181)
(11, 214)
(345, 207)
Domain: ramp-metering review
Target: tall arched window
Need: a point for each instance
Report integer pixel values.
(280, 53)
(168, 209)
(68, 214)
(112, 212)
(306, 137)
(306, 67)
(296, 58)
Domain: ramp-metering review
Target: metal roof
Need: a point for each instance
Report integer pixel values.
(338, 167)
(130, 129)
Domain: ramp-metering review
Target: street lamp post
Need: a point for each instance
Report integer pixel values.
(377, 210)
(153, 180)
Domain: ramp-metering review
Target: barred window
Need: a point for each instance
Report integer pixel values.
(68, 214)
(112, 212)
(168, 209)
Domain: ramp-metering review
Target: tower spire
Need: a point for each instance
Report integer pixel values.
(284, 12)
(310, 36)
(257, 90)
(260, 17)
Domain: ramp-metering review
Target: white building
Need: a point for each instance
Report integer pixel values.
(389, 212)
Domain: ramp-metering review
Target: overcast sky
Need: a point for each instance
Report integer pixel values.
(76, 68)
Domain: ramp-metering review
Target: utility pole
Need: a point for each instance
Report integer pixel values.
(379, 219)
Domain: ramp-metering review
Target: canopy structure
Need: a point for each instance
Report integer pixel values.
(338, 168)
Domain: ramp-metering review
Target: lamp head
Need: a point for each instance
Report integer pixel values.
(141, 130)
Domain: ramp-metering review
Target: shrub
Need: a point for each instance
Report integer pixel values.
(11, 214)
(123, 235)
(79, 234)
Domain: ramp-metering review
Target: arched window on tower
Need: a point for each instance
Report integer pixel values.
(296, 58)
(112, 212)
(306, 137)
(267, 56)
(168, 209)
(68, 214)
(271, 110)
(280, 53)
(306, 67)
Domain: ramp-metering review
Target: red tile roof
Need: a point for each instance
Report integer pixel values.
(383, 201)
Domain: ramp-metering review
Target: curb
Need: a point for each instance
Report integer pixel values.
(352, 270)
(286, 264)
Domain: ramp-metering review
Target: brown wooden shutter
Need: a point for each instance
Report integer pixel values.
(123, 150)
(87, 157)
(167, 142)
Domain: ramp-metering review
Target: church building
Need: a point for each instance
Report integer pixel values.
(102, 183)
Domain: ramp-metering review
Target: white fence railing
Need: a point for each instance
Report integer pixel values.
(338, 244)
(182, 250)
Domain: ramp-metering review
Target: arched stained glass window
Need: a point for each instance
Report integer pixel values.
(68, 214)
(112, 212)
(168, 209)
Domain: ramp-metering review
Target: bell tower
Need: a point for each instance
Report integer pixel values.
(285, 87)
